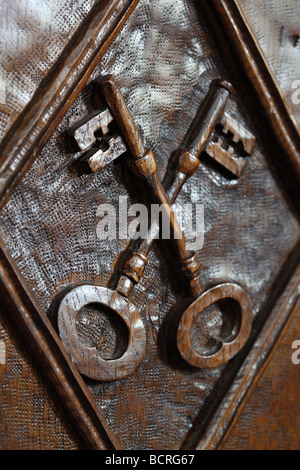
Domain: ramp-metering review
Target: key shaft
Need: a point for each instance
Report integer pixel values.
(185, 163)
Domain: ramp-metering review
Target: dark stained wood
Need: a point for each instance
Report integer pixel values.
(269, 416)
(30, 130)
(83, 134)
(145, 163)
(32, 40)
(164, 61)
(96, 150)
(227, 158)
(278, 322)
(122, 115)
(78, 404)
(35, 125)
(30, 416)
(87, 359)
(275, 27)
(231, 340)
(266, 88)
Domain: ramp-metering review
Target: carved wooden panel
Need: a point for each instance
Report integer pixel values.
(29, 417)
(272, 404)
(33, 36)
(276, 27)
(164, 61)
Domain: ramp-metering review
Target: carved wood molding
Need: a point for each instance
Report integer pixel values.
(22, 145)
(42, 342)
(67, 78)
(19, 149)
(60, 89)
(293, 304)
(262, 350)
(250, 57)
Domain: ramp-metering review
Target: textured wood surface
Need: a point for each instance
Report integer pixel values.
(130, 349)
(280, 310)
(33, 35)
(268, 95)
(164, 60)
(87, 359)
(270, 418)
(29, 418)
(65, 81)
(276, 26)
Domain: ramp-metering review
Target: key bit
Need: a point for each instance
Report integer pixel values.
(240, 134)
(93, 141)
(84, 134)
(229, 158)
(187, 160)
(97, 159)
(235, 165)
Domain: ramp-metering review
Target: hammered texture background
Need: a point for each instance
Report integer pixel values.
(276, 26)
(33, 34)
(28, 417)
(164, 61)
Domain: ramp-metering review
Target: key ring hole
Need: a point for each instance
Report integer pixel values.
(99, 326)
(234, 333)
(216, 324)
(231, 320)
(87, 359)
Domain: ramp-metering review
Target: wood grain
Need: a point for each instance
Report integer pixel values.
(265, 86)
(164, 60)
(276, 28)
(269, 417)
(33, 36)
(30, 416)
(276, 325)
(35, 125)
(87, 359)
(56, 366)
(126, 360)
(230, 341)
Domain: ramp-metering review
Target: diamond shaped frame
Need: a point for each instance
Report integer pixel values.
(34, 128)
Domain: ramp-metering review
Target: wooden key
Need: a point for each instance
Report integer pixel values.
(146, 165)
(88, 360)
(227, 156)
(93, 142)
(182, 166)
(186, 162)
(84, 135)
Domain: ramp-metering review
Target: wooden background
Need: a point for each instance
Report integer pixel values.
(164, 60)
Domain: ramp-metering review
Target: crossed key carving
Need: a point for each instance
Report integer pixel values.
(98, 149)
